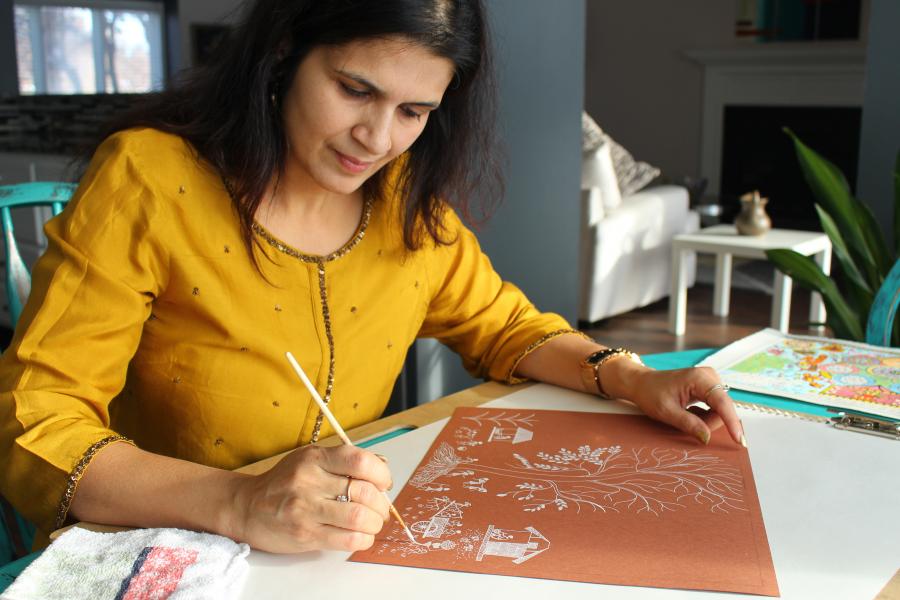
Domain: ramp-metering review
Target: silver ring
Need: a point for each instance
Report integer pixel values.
(719, 386)
(345, 497)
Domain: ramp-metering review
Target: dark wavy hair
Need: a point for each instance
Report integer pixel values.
(225, 108)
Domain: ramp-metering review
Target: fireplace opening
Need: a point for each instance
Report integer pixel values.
(757, 154)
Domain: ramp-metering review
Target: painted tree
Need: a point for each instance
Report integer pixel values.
(604, 479)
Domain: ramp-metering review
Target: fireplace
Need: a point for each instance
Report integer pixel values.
(757, 154)
(750, 92)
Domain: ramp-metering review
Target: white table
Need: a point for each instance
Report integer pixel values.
(725, 242)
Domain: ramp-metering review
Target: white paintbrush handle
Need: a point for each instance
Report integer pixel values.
(318, 399)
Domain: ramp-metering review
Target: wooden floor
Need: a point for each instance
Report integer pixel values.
(646, 330)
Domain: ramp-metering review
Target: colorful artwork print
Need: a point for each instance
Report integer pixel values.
(823, 371)
(582, 497)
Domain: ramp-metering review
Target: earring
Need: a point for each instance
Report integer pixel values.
(273, 96)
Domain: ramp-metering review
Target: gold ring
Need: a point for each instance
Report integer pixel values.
(346, 497)
(719, 386)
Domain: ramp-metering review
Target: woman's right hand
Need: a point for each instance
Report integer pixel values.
(293, 506)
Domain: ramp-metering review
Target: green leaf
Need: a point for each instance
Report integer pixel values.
(884, 259)
(861, 292)
(831, 190)
(897, 205)
(844, 322)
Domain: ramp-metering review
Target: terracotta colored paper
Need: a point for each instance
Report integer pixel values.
(588, 497)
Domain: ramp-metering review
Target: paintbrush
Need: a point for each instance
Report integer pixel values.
(341, 434)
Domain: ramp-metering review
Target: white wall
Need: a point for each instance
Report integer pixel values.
(638, 85)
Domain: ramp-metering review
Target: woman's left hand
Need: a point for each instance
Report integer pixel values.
(668, 396)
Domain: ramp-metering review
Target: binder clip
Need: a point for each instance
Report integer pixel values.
(864, 424)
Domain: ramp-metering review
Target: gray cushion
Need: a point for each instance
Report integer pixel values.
(632, 175)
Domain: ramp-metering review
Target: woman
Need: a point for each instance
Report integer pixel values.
(296, 195)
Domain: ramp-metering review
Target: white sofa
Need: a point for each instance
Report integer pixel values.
(626, 250)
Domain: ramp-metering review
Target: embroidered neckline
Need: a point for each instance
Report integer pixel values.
(315, 258)
(312, 258)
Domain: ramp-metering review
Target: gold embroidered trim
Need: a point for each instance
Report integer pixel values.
(326, 313)
(78, 471)
(534, 346)
(310, 258)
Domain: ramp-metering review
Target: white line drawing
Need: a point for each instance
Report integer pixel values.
(402, 545)
(465, 438)
(449, 515)
(444, 461)
(500, 419)
(512, 432)
(518, 544)
(515, 435)
(477, 485)
(604, 479)
(468, 544)
(445, 521)
(443, 531)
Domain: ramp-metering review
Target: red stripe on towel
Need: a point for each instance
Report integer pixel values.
(160, 574)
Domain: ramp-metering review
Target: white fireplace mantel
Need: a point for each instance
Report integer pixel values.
(780, 75)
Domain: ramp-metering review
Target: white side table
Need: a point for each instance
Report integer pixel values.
(725, 242)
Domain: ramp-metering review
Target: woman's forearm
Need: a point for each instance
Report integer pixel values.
(293, 507)
(559, 362)
(664, 395)
(125, 485)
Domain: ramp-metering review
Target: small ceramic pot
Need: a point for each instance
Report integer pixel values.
(753, 219)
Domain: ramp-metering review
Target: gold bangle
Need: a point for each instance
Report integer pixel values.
(598, 359)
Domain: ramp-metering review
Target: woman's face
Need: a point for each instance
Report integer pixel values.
(352, 108)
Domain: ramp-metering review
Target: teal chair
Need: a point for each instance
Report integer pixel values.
(17, 533)
(880, 324)
(25, 195)
(15, 544)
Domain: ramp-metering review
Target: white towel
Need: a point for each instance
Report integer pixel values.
(131, 565)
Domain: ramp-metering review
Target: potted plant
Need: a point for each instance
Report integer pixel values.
(858, 246)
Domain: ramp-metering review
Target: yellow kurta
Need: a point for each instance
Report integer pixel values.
(148, 320)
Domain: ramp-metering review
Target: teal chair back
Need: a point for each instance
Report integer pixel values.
(39, 193)
(16, 534)
(884, 308)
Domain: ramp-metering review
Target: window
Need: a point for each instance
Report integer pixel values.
(89, 47)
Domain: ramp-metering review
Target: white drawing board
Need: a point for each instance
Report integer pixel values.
(829, 500)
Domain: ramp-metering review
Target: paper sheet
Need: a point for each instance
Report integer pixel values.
(823, 371)
(583, 497)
